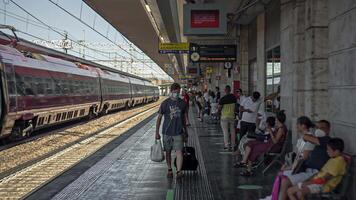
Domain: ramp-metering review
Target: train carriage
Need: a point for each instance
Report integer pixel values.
(138, 95)
(115, 89)
(40, 90)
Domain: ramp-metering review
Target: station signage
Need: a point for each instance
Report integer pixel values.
(185, 77)
(212, 53)
(192, 70)
(209, 70)
(178, 48)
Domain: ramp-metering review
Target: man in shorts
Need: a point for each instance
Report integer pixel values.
(174, 130)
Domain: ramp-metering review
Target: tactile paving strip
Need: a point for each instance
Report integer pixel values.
(194, 185)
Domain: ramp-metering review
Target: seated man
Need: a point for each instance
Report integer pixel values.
(311, 166)
(328, 177)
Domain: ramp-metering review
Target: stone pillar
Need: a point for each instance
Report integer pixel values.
(261, 55)
(287, 67)
(304, 40)
(243, 60)
(316, 59)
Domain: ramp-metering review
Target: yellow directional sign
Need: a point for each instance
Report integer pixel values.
(209, 70)
(173, 47)
(185, 76)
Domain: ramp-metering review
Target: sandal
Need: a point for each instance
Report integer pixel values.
(170, 173)
(179, 174)
(246, 173)
(240, 165)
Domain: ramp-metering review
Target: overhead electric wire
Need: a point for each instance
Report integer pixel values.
(86, 24)
(58, 32)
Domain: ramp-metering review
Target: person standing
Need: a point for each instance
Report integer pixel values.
(249, 109)
(186, 100)
(174, 111)
(218, 95)
(227, 110)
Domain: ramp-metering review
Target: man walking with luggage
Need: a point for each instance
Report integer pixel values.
(174, 128)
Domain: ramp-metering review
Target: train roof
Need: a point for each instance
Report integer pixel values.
(26, 45)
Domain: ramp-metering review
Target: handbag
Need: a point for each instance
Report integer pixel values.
(258, 136)
(157, 154)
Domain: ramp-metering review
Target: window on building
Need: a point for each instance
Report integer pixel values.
(273, 74)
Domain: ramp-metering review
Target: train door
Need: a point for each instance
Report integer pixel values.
(130, 92)
(10, 86)
(101, 92)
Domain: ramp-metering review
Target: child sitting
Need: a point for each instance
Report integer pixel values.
(328, 177)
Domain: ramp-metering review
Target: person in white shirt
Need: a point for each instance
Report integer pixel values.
(249, 109)
(241, 97)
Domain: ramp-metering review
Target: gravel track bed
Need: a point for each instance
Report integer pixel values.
(27, 152)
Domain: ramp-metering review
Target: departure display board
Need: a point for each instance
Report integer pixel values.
(213, 53)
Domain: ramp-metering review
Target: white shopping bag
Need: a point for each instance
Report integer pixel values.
(157, 151)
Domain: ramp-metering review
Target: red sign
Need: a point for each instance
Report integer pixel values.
(236, 86)
(204, 19)
(192, 71)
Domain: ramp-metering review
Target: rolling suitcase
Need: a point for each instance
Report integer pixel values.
(190, 162)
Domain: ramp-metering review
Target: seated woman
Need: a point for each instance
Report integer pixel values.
(274, 144)
(269, 124)
(303, 148)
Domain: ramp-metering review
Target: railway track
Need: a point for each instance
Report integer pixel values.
(50, 156)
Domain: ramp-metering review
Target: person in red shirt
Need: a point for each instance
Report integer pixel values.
(186, 100)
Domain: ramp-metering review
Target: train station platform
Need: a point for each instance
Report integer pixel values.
(123, 170)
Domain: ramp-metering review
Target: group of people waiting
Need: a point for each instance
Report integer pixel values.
(315, 166)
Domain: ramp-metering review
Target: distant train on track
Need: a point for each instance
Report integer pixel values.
(39, 91)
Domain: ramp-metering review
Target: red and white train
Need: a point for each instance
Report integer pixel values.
(38, 91)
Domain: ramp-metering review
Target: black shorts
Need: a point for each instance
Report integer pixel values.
(246, 127)
(199, 105)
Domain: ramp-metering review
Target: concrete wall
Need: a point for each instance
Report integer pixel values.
(342, 75)
(318, 40)
(252, 40)
(273, 21)
(243, 58)
(261, 54)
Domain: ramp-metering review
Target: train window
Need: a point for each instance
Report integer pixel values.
(10, 83)
(58, 88)
(76, 87)
(71, 87)
(28, 86)
(49, 119)
(49, 86)
(40, 86)
(75, 113)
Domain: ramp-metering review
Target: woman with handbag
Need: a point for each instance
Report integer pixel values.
(257, 147)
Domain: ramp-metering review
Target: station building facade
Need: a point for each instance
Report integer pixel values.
(308, 49)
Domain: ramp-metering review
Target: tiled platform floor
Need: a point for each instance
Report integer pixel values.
(123, 170)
